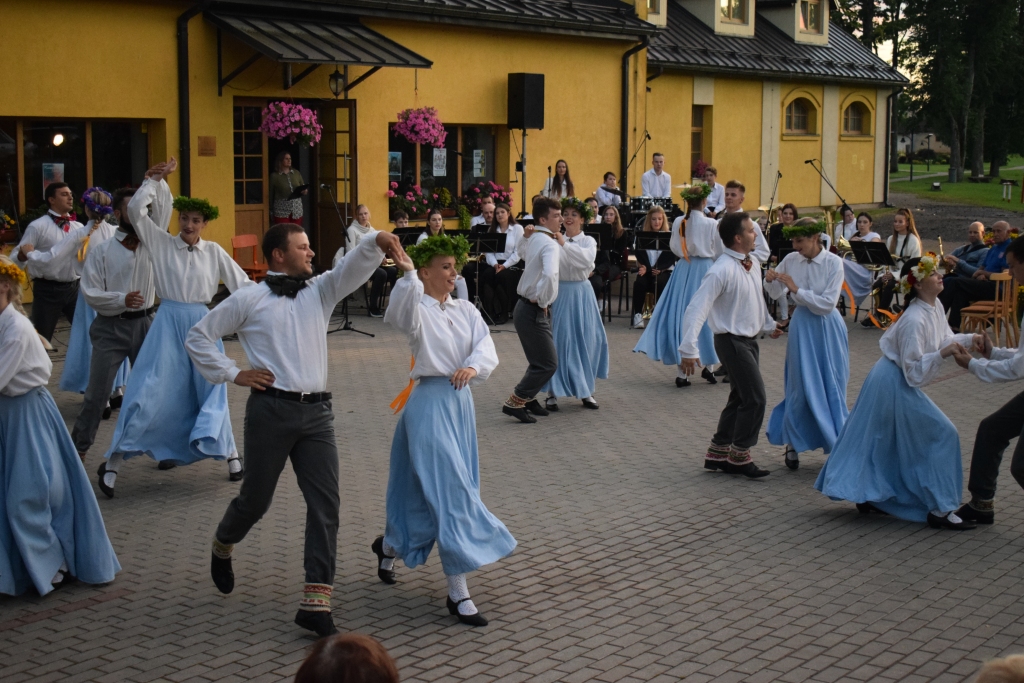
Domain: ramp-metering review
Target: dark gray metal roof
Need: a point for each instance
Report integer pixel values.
(688, 44)
(596, 18)
(316, 42)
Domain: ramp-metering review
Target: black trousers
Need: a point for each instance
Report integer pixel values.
(958, 293)
(994, 434)
(476, 272)
(498, 291)
(646, 283)
(385, 275)
(276, 430)
(50, 298)
(603, 274)
(740, 422)
(533, 326)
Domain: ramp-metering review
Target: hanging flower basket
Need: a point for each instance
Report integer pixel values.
(293, 121)
(421, 127)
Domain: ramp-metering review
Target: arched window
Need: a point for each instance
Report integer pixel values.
(734, 11)
(855, 119)
(798, 120)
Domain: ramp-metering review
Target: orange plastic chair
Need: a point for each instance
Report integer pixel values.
(255, 270)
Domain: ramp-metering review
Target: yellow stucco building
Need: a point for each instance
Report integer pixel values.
(142, 81)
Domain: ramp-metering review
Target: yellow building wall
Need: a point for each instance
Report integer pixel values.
(800, 184)
(669, 120)
(736, 135)
(855, 174)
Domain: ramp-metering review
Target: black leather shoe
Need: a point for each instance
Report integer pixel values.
(720, 372)
(108, 491)
(682, 382)
(945, 523)
(551, 405)
(222, 574)
(319, 623)
(166, 465)
(706, 374)
(519, 413)
(712, 464)
(240, 474)
(536, 408)
(591, 403)
(868, 508)
(969, 514)
(116, 401)
(106, 412)
(792, 459)
(749, 470)
(471, 619)
(385, 575)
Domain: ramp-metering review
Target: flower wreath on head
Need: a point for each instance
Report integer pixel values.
(697, 192)
(809, 230)
(91, 204)
(580, 207)
(8, 269)
(440, 245)
(925, 267)
(201, 206)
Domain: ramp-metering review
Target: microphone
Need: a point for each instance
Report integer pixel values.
(324, 186)
(647, 134)
(809, 161)
(549, 170)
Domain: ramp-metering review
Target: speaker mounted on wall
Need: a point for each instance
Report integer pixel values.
(526, 101)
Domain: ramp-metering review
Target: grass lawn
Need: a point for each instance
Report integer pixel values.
(921, 167)
(977, 194)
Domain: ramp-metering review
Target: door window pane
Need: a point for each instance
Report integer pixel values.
(56, 147)
(401, 161)
(248, 153)
(449, 180)
(8, 166)
(120, 154)
(477, 155)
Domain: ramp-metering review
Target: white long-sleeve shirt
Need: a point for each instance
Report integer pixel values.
(540, 275)
(67, 249)
(1005, 365)
(355, 234)
(762, 252)
(548, 192)
(915, 341)
(443, 337)
(287, 336)
(183, 273)
(606, 198)
(112, 271)
(729, 300)
(716, 200)
(43, 234)
(820, 281)
(904, 251)
(702, 238)
(576, 258)
(513, 234)
(24, 364)
(847, 230)
(655, 185)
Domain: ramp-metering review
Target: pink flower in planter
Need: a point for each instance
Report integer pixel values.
(391, 193)
(394, 185)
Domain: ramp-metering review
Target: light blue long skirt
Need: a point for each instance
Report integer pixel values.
(813, 411)
(858, 279)
(48, 511)
(897, 451)
(170, 411)
(664, 331)
(75, 375)
(434, 485)
(580, 340)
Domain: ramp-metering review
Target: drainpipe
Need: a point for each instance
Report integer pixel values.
(888, 141)
(184, 115)
(624, 140)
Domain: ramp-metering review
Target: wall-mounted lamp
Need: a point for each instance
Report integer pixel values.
(337, 82)
(58, 140)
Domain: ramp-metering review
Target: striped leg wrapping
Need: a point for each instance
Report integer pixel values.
(222, 550)
(739, 457)
(316, 597)
(717, 453)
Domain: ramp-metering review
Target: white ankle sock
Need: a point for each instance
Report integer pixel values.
(234, 463)
(680, 373)
(457, 590)
(951, 516)
(58, 578)
(114, 462)
(388, 563)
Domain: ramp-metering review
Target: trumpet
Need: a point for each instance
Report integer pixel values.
(942, 258)
(843, 246)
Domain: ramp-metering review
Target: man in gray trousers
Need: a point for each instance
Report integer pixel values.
(538, 289)
(118, 283)
(282, 326)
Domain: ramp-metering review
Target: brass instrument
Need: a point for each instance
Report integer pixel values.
(648, 309)
(772, 214)
(942, 258)
(843, 247)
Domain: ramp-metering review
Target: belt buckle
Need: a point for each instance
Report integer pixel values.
(302, 397)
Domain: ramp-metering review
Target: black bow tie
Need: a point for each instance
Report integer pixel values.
(286, 285)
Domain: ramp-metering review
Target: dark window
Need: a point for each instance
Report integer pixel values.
(56, 148)
(248, 151)
(8, 166)
(120, 154)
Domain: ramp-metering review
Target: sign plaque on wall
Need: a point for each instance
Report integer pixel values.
(207, 145)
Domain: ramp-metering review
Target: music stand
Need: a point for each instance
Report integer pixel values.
(408, 236)
(649, 241)
(483, 243)
(600, 232)
(874, 256)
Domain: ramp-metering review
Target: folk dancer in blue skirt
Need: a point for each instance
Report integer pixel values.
(696, 243)
(730, 300)
(434, 485)
(898, 454)
(50, 525)
(282, 326)
(118, 285)
(576, 325)
(170, 412)
(813, 410)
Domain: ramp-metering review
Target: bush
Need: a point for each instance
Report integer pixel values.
(925, 154)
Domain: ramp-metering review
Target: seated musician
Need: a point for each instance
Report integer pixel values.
(481, 223)
(963, 291)
(435, 225)
(776, 243)
(401, 219)
(498, 281)
(716, 200)
(848, 228)
(654, 266)
(904, 244)
(595, 207)
(611, 259)
(383, 276)
(865, 229)
(486, 214)
(609, 194)
(966, 260)
(858, 278)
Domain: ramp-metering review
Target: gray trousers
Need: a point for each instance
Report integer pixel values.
(276, 429)
(113, 340)
(534, 329)
(740, 422)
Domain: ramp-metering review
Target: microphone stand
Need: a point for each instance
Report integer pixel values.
(771, 202)
(825, 178)
(346, 323)
(14, 206)
(643, 141)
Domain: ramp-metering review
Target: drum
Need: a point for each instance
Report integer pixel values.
(664, 202)
(641, 204)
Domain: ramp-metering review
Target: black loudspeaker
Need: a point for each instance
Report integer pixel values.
(525, 101)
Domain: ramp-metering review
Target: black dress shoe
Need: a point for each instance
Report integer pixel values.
(682, 382)
(706, 374)
(519, 413)
(712, 464)
(166, 465)
(945, 523)
(108, 491)
(240, 474)
(222, 573)
(591, 403)
(471, 619)
(116, 401)
(106, 412)
(868, 508)
(792, 459)
(749, 470)
(720, 372)
(319, 623)
(969, 514)
(385, 575)
(536, 408)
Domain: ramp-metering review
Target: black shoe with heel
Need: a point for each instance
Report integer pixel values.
(750, 470)
(385, 575)
(868, 508)
(536, 408)
(519, 413)
(969, 514)
(937, 522)
(222, 574)
(682, 382)
(709, 376)
(319, 623)
(471, 619)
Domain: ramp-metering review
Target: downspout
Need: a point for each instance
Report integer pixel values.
(184, 115)
(624, 140)
(888, 141)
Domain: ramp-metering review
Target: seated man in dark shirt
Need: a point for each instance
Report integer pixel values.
(966, 260)
(961, 292)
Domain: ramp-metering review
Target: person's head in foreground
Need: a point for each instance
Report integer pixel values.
(1006, 670)
(193, 216)
(438, 260)
(348, 658)
(806, 236)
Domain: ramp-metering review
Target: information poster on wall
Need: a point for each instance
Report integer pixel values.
(479, 163)
(52, 173)
(394, 164)
(440, 161)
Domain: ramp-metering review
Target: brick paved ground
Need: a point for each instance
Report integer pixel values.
(634, 564)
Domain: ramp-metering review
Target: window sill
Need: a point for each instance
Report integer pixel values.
(856, 137)
(800, 136)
